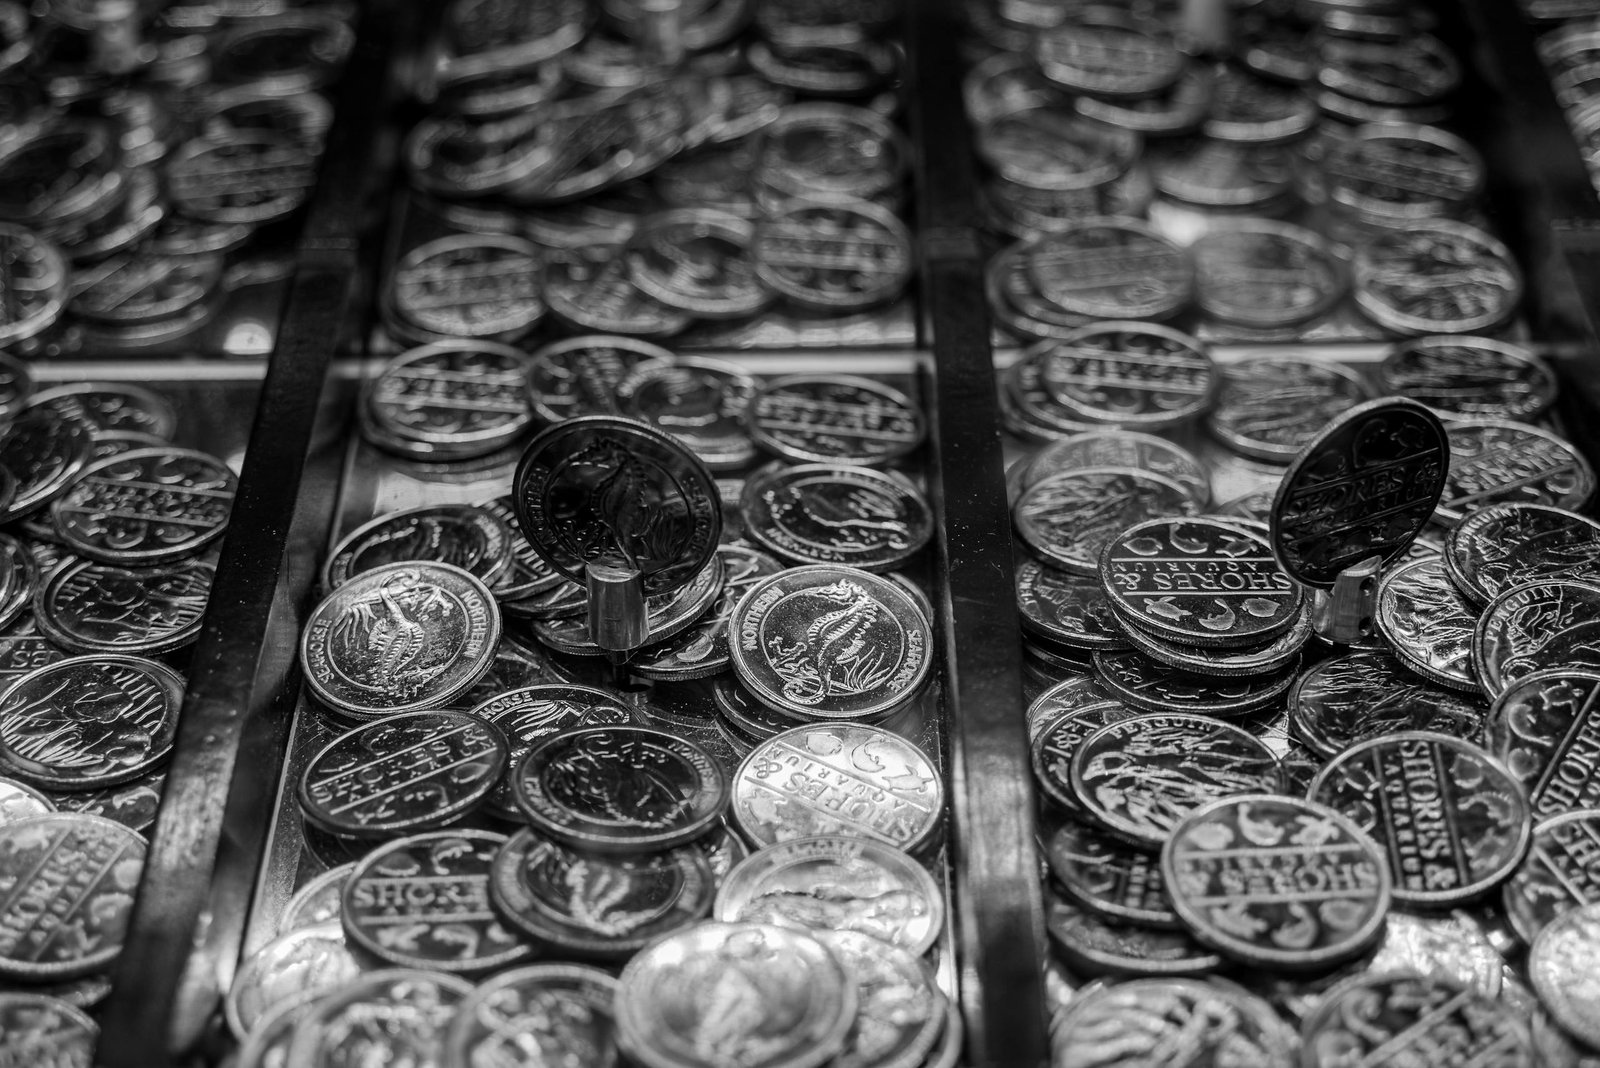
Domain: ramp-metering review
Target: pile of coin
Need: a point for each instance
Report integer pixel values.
(1568, 51)
(605, 173)
(140, 150)
(108, 549)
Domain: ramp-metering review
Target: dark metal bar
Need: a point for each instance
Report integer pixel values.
(998, 899)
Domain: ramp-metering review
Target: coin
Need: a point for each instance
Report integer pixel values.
(70, 881)
(1266, 274)
(835, 883)
(1065, 607)
(1044, 148)
(1561, 965)
(1093, 946)
(45, 1030)
(1108, 53)
(833, 257)
(19, 801)
(89, 607)
(1395, 173)
(1139, 777)
(1268, 658)
(1111, 268)
(1535, 627)
(1415, 71)
(798, 1001)
(1453, 821)
(549, 1013)
(146, 506)
(1158, 1021)
(1428, 624)
(1500, 546)
(1436, 276)
(589, 289)
(1251, 110)
(697, 260)
(704, 649)
(293, 967)
(36, 286)
(835, 514)
(470, 286)
(1118, 448)
(579, 376)
(1128, 374)
(1069, 518)
(110, 406)
(399, 638)
(423, 901)
(834, 419)
(247, 176)
(319, 901)
(1078, 692)
(19, 580)
(901, 1009)
(461, 398)
(43, 450)
(1366, 694)
(390, 1016)
(1495, 462)
(1470, 377)
(1544, 728)
(132, 804)
(1215, 175)
(1404, 1015)
(702, 403)
(89, 721)
(472, 539)
(1152, 686)
(1558, 874)
(595, 905)
(529, 714)
(1270, 407)
(140, 288)
(1108, 877)
(667, 615)
(827, 150)
(830, 642)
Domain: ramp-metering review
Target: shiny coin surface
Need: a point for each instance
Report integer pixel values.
(90, 607)
(400, 638)
(831, 150)
(43, 1030)
(1108, 877)
(834, 419)
(19, 801)
(595, 905)
(1043, 147)
(1222, 175)
(69, 883)
(1112, 269)
(461, 398)
(132, 804)
(1159, 1021)
(111, 406)
(798, 1002)
(391, 1016)
(1428, 624)
(698, 260)
(140, 288)
(1561, 965)
(1068, 519)
(705, 648)
(1230, 662)
(423, 901)
(146, 506)
(527, 575)
(1436, 277)
(827, 642)
(1200, 582)
(1362, 486)
(1537, 626)
(1558, 874)
(838, 778)
(472, 539)
(619, 789)
(702, 403)
(667, 614)
(240, 177)
(471, 286)
(1266, 274)
(1390, 1016)
(1140, 777)
(836, 883)
(406, 773)
(1066, 607)
(292, 967)
(1470, 377)
(1545, 726)
(1093, 946)
(833, 257)
(901, 1010)
(606, 490)
(549, 1013)
(1277, 883)
(1152, 686)
(1366, 694)
(43, 450)
(1131, 375)
(529, 714)
(1452, 820)
(1503, 545)
(1502, 462)
(89, 722)
(319, 901)
(835, 514)
(1271, 407)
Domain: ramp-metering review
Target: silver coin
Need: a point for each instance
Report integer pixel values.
(43, 450)
(145, 506)
(1152, 686)
(1494, 462)
(19, 579)
(1047, 148)
(1409, 73)
(529, 714)
(1250, 110)
(834, 419)
(90, 607)
(1109, 53)
(1118, 448)
(240, 177)
(830, 150)
(37, 286)
(296, 966)
(1470, 377)
(1428, 624)
(579, 376)
(697, 260)
(1503, 545)
(527, 574)
(391, 1016)
(111, 406)
(1066, 607)
(1556, 877)
(293, 52)
(471, 538)
(1221, 176)
(1178, 109)
(1560, 965)
(554, 1013)
(835, 514)
(1069, 518)
(1130, 375)
(1108, 877)
(1093, 946)
(1543, 726)
(1112, 269)
(902, 1011)
(400, 638)
(833, 257)
(317, 902)
(703, 649)
(474, 286)
(1366, 694)
(1402, 1009)
(1537, 626)
(44, 1030)
(1159, 1014)
(138, 288)
(464, 398)
(838, 779)
(1270, 407)
(132, 804)
(702, 403)
(19, 801)
(1393, 173)
(1436, 276)
(1266, 274)
(588, 287)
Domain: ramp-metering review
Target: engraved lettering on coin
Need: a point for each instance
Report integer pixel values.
(1410, 1016)
(835, 514)
(461, 398)
(1504, 545)
(1270, 407)
(89, 607)
(1368, 694)
(835, 419)
(1428, 624)
(1068, 519)
(833, 257)
(543, 1013)
(470, 285)
(1537, 626)
(1436, 277)
(1501, 462)
(1558, 874)
(146, 506)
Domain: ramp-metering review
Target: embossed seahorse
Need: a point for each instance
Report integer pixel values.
(839, 636)
(397, 638)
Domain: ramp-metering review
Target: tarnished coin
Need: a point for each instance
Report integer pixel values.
(1561, 965)
(827, 642)
(1266, 274)
(406, 773)
(579, 376)
(1470, 377)
(1546, 728)
(605, 490)
(391, 1016)
(1066, 607)
(69, 883)
(901, 1010)
(1140, 777)
(19, 801)
(1504, 462)
(797, 1000)
(470, 286)
(1392, 1016)
(90, 607)
(1537, 626)
(1091, 945)
(529, 714)
(1366, 694)
(1132, 375)
(319, 901)
(596, 905)
(1199, 581)
(832, 418)
(698, 260)
(296, 966)
(1152, 686)
(1112, 268)
(1104, 51)
(835, 883)
(470, 538)
(423, 901)
(1172, 1022)
(838, 778)
(1107, 876)
(539, 1014)
(833, 257)
(1500, 546)
(1558, 874)
(1428, 624)
(1068, 519)
(1270, 407)
(36, 284)
(89, 721)
(1436, 276)
(705, 648)
(589, 289)
(110, 406)
(1452, 820)
(40, 1029)
(702, 403)
(620, 789)
(459, 398)
(1362, 486)
(43, 450)
(146, 506)
(246, 176)
(835, 514)
(400, 638)
(1277, 883)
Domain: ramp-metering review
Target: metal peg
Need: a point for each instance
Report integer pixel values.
(1343, 615)
(618, 622)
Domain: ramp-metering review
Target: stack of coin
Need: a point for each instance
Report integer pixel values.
(1569, 52)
